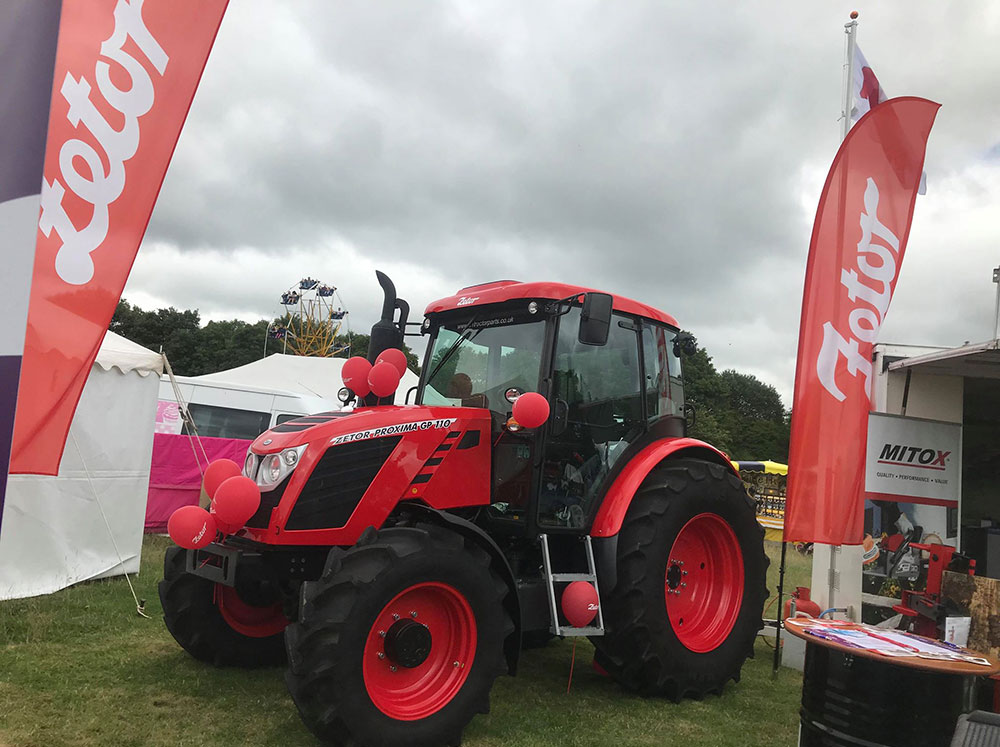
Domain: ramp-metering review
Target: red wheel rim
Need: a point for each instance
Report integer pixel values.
(408, 693)
(253, 622)
(704, 583)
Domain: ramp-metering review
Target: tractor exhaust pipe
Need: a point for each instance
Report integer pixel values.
(388, 294)
(387, 333)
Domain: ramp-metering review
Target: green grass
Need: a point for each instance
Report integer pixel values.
(79, 667)
(798, 572)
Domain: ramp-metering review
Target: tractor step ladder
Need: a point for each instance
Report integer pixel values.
(551, 579)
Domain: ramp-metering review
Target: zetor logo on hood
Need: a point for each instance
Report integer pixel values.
(916, 456)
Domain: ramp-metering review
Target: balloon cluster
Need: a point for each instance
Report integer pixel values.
(235, 499)
(381, 379)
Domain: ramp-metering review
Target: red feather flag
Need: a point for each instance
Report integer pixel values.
(858, 242)
(125, 74)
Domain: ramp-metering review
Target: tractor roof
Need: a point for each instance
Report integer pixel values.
(500, 291)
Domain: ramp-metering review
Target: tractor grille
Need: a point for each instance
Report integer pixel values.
(337, 483)
(268, 500)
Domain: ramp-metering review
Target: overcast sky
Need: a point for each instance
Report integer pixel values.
(672, 152)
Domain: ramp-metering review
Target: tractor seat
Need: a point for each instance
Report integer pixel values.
(460, 387)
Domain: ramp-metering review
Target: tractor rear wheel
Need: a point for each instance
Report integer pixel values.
(400, 640)
(213, 624)
(691, 584)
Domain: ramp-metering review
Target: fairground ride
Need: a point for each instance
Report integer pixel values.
(313, 316)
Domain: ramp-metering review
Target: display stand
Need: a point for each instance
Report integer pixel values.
(871, 687)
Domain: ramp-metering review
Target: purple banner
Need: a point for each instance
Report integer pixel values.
(10, 369)
(29, 31)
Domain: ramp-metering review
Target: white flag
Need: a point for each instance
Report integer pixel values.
(868, 92)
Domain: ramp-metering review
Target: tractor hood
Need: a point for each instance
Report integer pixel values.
(326, 477)
(331, 428)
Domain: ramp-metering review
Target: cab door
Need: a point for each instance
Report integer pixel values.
(515, 466)
(597, 412)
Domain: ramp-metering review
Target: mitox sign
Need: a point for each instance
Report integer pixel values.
(913, 460)
(857, 247)
(125, 74)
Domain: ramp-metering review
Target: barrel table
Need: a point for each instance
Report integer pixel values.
(854, 697)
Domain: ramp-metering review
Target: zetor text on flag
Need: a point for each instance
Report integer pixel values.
(125, 74)
(856, 251)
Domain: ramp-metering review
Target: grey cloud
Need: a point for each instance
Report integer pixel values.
(653, 149)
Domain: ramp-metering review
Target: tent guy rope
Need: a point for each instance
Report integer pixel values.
(140, 605)
(192, 429)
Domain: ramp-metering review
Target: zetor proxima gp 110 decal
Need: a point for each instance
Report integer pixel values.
(393, 430)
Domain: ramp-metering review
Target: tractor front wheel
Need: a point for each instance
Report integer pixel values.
(400, 640)
(213, 624)
(691, 584)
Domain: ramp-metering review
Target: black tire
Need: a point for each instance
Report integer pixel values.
(642, 649)
(339, 615)
(195, 622)
(536, 639)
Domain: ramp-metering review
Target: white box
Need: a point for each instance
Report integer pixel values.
(956, 630)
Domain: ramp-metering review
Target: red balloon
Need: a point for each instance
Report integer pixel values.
(221, 525)
(218, 472)
(354, 374)
(236, 500)
(531, 410)
(580, 603)
(384, 378)
(396, 357)
(191, 527)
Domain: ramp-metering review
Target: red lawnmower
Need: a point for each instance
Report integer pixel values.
(401, 555)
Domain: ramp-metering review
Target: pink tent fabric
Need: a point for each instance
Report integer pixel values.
(175, 477)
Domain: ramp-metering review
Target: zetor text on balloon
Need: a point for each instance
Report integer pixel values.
(397, 553)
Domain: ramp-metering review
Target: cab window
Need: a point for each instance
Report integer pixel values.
(473, 364)
(662, 375)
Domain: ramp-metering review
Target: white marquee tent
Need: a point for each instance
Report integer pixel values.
(319, 377)
(87, 521)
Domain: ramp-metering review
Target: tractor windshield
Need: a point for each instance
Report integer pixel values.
(473, 364)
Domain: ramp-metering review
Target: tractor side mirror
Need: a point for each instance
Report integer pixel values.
(685, 343)
(595, 319)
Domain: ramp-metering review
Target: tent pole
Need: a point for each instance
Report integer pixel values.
(778, 621)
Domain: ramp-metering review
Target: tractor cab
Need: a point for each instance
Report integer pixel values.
(608, 366)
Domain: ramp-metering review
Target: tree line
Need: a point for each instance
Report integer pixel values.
(194, 349)
(735, 412)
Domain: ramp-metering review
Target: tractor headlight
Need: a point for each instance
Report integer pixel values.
(272, 468)
(249, 464)
(276, 467)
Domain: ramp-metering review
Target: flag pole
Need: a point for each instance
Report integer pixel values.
(851, 29)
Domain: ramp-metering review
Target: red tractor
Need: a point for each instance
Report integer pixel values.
(403, 554)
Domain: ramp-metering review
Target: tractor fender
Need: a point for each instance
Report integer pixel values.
(512, 644)
(612, 512)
